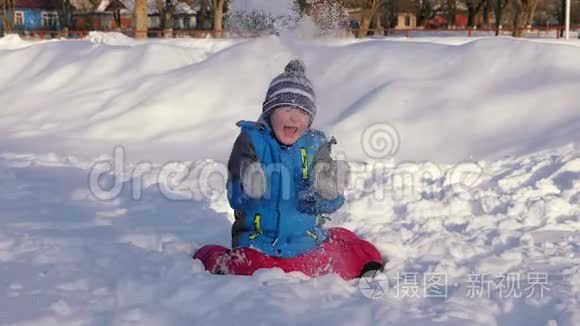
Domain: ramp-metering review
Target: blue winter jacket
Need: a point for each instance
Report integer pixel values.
(287, 220)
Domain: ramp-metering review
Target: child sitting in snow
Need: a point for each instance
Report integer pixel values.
(282, 181)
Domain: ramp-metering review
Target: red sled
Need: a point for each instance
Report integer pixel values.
(343, 253)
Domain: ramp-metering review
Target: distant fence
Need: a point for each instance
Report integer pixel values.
(535, 32)
(152, 33)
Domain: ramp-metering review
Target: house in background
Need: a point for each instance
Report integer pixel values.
(461, 19)
(354, 17)
(184, 17)
(110, 15)
(442, 22)
(38, 15)
(122, 17)
(406, 20)
(118, 14)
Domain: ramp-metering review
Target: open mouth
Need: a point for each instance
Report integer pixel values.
(290, 131)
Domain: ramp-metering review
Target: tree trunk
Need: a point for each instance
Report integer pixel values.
(517, 24)
(218, 15)
(365, 22)
(8, 9)
(473, 9)
(65, 14)
(141, 19)
(202, 22)
(562, 19)
(471, 12)
(421, 14)
(379, 30)
(533, 4)
(303, 7)
(519, 20)
(499, 6)
(117, 17)
(522, 12)
(426, 12)
(451, 12)
(167, 19)
(486, 14)
(391, 17)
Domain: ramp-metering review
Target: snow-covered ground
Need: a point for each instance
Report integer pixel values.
(465, 159)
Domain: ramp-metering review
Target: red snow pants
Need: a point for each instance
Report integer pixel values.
(343, 253)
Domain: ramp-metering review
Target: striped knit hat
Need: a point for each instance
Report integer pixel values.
(291, 88)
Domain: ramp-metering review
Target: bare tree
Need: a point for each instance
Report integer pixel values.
(116, 6)
(313, 7)
(562, 17)
(389, 13)
(203, 9)
(473, 8)
(367, 9)
(561, 14)
(302, 6)
(66, 14)
(532, 13)
(141, 19)
(218, 16)
(425, 10)
(451, 9)
(522, 15)
(7, 10)
(498, 9)
(166, 10)
(575, 15)
(486, 9)
(87, 5)
(211, 13)
(205, 17)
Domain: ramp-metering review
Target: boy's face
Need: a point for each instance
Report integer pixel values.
(289, 123)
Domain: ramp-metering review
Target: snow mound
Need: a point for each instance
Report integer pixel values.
(507, 245)
(12, 41)
(483, 99)
(10, 38)
(110, 38)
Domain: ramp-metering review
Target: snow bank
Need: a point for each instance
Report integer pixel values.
(110, 38)
(13, 41)
(10, 38)
(127, 261)
(482, 99)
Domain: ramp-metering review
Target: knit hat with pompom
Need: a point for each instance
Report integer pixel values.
(291, 88)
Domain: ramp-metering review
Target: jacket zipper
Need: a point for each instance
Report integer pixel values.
(278, 199)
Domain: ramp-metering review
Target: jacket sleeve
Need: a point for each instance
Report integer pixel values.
(243, 155)
(319, 195)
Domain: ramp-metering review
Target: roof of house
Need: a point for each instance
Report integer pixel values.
(402, 6)
(39, 4)
(406, 7)
(115, 5)
(459, 6)
(129, 5)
